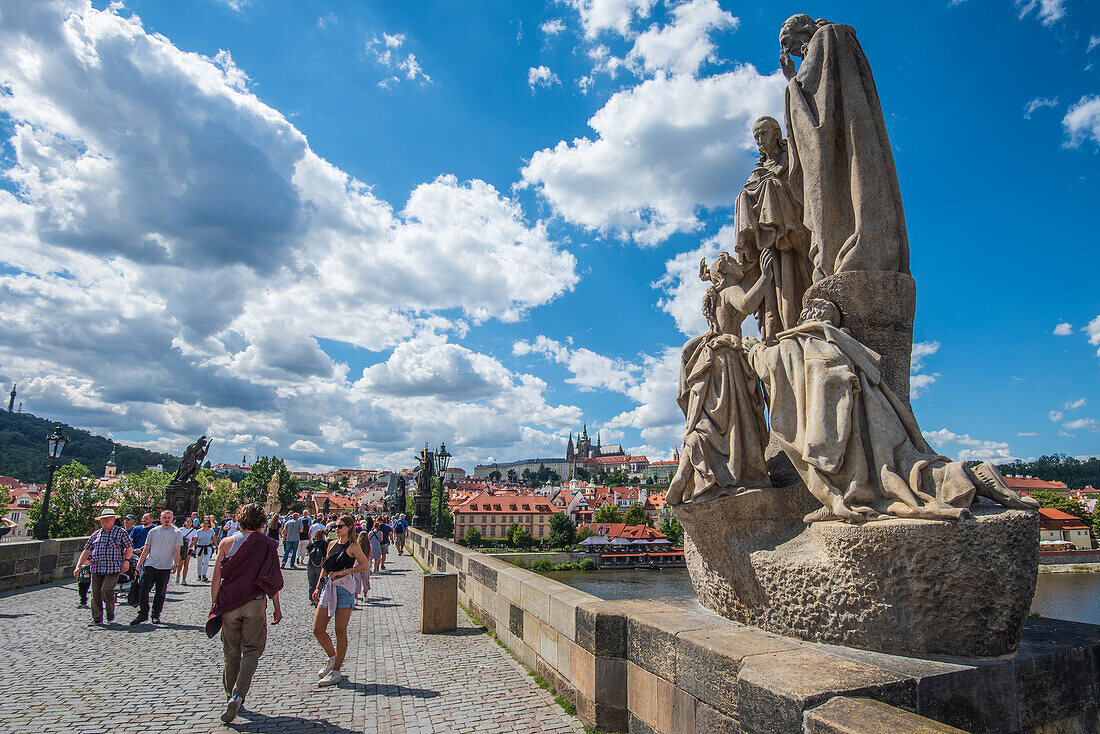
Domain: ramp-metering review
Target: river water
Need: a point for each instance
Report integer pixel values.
(1072, 596)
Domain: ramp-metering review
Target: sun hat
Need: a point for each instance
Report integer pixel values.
(106, 513)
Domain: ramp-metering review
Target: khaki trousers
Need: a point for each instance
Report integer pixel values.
(103, 594)
(244, 636)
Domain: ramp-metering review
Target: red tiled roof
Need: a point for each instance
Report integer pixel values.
(1033, 483)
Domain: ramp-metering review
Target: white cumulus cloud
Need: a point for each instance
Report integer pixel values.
(1063, 329)
(1093, 330)
(1075, 404)
(1082, 121)
(683, 45)
(189, 228)
(965, 448)
(661, 150)
(541, 76)
(610, 15)
(552, 27)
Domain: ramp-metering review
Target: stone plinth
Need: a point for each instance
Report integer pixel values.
(878, 309)
(907, 586)
(439, 603)
(182, 499)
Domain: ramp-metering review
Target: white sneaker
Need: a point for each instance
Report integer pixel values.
(231, 708)
(329, 663)
(331, 679)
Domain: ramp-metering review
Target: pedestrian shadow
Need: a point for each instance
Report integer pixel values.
(387, 689)
(15, 616)
(261, 723)
(465, 632)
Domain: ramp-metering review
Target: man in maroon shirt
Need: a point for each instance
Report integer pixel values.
(246, 573)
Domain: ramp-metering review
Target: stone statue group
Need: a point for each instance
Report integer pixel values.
(819, 206)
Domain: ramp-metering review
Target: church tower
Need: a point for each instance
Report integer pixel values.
(584, 445)
(111, 469)
(11, 400)
(569, 450)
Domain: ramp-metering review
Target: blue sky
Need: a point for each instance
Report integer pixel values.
(334, 231)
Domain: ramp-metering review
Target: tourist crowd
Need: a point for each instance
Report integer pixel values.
(338, 552)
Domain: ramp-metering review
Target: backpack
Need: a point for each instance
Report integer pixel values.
(317, 555)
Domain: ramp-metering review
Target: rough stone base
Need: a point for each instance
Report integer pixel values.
(907, 586)
(878, 309)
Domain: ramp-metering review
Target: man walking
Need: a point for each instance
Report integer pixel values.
(400, 527)
(108, 554)
(246, 573)
(158, 561)
(137, 538)
(292, 535)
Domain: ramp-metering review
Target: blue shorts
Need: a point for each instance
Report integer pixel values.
(344, 599)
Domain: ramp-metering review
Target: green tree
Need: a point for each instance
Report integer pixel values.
(253, 488)
(473, 538)
(635, 515)
(581, 473)
(582, 534)
(608, 514)
(510, 534)
(522, 539)
(494, 475)
(512, 476)
(673, 529)
(142, 492)
(562, 531)
(1058, 502)
(219, 498)
(617, 478)
(75, 500)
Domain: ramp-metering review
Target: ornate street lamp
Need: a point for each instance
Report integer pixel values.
(55, 444)
(442, 458)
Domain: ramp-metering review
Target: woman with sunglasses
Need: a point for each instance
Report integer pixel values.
(335, 597)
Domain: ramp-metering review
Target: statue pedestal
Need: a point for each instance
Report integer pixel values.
(903, 586)
(182, 499)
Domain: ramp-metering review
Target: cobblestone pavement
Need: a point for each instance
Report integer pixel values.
(62, 675)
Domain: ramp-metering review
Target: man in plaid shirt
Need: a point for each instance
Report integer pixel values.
(108, 552)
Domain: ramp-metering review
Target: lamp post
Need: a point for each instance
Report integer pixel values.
(441, 460)
(55, 444)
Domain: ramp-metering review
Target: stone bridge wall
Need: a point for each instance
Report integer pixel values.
(647, 667)
(26, 562)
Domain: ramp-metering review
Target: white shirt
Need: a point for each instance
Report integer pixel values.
(162, 543)
(314, 528)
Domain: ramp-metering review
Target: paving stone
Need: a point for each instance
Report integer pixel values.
(67, 677)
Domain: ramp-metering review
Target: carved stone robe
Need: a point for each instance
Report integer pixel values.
(842, 168)
(726, 435)
(767, 216)
(844, 430)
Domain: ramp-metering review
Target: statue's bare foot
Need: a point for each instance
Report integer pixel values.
(838, 511)
(992, 485)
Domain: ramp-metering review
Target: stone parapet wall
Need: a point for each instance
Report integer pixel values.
(1059, 558)
(27, 562)
(529, 558)
(643, 666)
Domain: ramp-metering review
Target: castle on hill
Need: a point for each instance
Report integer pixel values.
(581, 455)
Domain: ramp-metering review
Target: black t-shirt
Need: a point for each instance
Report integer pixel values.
(339, 559)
